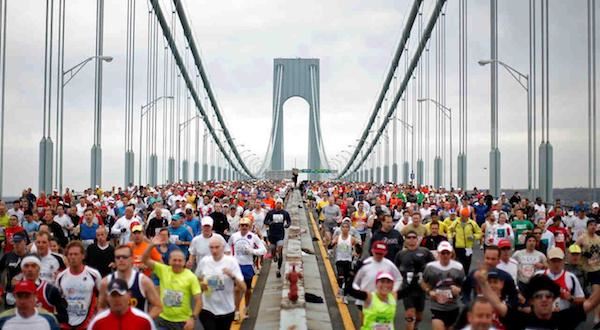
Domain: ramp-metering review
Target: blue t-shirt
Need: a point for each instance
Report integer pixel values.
(480, 212)
(30, 227)
(88, 232)
(183, 235)
(194, 224)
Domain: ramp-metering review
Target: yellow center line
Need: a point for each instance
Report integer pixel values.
(344, 312)
(235, 325)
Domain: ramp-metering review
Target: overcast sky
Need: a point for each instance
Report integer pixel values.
(354, 41)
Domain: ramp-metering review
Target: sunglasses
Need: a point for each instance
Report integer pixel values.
(411, 237)
(117, 257)
(543, 294)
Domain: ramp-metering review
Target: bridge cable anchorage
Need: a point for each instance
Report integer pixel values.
(190, 84)
(407, 77)
(386, 85)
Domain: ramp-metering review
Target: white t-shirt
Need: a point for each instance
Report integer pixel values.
(245, 247)
(527, 261)
(219, 298)
(199, 246)
(79, 290)
(259, 221)
(510, 267)
(65, 222)
(365, 277)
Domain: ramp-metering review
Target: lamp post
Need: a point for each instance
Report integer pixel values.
(181, 127)
(69, 74)
(448, 113)
(519, 78)
(142, 114)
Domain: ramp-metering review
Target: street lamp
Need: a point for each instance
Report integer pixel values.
(71, 73)
(142, 114)
(181, 127)
(448, 113)
(519, 78)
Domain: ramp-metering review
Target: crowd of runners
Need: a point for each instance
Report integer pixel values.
(411, 245)
(138, 258)
(172, 256)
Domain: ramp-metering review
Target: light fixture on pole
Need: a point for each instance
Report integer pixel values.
(181, 127)
(523, 80)
(147, 107)
(70, 74)
(448, 113)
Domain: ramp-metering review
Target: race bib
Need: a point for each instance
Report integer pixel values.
(527, 271)
(215, 283)
(172, 298)
(560, 237)
(382, 326)
(521, 238)
(501, 233)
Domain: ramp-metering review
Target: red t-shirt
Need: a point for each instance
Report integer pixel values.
(10, 232)
(560, 236)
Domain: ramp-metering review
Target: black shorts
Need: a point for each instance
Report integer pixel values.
(414, 300)
(274, 240)
(593, 277)
(448, 317)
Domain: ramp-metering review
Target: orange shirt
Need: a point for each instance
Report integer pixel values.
(138, 251)
(270, 202)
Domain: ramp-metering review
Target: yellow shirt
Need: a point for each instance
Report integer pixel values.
(320, 206)
(176, 292)
(443, 228)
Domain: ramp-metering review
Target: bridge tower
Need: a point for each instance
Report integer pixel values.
(296, 77)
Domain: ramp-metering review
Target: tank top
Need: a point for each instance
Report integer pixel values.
(42, 300)
(343, 250)
(379, 315)
(138, 296)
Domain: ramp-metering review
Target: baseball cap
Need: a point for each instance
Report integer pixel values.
(117, 285)
(504, 243)
(493, 273)
(595, 205)
(25, 286)
(19, 237)
(279, 200)
(207, 221)
(541, 282)
(556, 253)
(574, 248)
(379, 247)
(137, 228)
(384, 275)
(444, 246)
(245, 221)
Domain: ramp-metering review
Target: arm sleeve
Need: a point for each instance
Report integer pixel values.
(260, 247)
(358, 294)
(59, 303)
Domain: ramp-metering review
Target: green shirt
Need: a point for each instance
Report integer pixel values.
(520, 226)
(4, 224)
(379, 314)
(176, 292)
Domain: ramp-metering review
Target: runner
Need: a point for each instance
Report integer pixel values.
(199, 247)
(370, 267)
(142, 292)
(179, 289)
(11, 263)
(464, 232)
(51, 263)
(344, 252)
(590, 253)
(218, 275)
(570, 288)
(379, 309)
(277, 220)
(26, 315)
(48, 296)
(411, 262)
(120, 314)
(79, 285)
(529, 260)
(442, 282)
(244, 246)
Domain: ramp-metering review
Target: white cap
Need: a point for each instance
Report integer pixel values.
(207, 221)
(444, 246)
(383, 275)
(279, 200)
(595, 205)
(31, 259)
